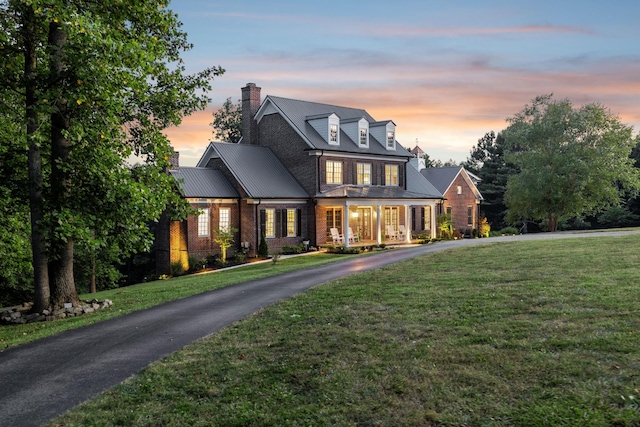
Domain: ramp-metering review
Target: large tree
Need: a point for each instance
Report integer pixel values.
(487, 161)
(227, 122)
(572, 161)
(98, 82)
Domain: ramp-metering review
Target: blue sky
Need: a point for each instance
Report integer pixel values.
(446, 72)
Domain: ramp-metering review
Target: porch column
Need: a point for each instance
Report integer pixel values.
(434, 223)
(407, 224)
(345, 225)
(378, 224)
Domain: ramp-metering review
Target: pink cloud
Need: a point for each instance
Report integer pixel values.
(446, 105)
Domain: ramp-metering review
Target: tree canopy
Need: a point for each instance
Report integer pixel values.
(487, 161)
(93, 83)
(571, 161)
(227, 122)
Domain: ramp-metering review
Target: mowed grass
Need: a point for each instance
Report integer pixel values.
(145, 295)
(540, 333)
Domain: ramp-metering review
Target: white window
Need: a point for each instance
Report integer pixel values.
(459, 189)
(427, 218)
(364, 137)
(363, 171)
(390, 217)
(203, 223)
(270, 223)
(391, 139)
(391, 175)
(333, 134)
(334, 172)
(224, 222)
(291, 223)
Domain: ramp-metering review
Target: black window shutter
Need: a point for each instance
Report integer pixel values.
(423, 226)
(263, 221)
(413, 219)
(298, 222)
(283, 226)
(278, 223)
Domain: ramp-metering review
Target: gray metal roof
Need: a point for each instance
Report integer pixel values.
(441, 178)
(204, 183)
(373, 192)
(417, 183)
(297, 112)
(259, 171)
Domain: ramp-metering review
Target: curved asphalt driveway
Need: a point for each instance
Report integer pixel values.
(41, 380)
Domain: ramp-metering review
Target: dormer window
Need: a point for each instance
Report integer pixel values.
(327, 126)
(391, 140)
(385, 134)
(333, 134)
(364, 137)
(334, 129)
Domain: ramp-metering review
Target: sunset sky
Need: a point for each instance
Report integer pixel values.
(446, 72)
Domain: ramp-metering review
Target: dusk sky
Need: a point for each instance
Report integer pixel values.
(446, 72)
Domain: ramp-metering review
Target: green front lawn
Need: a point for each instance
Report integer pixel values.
(522, 333)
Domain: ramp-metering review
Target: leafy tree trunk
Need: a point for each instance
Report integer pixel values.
(36, 200)
(63, 287)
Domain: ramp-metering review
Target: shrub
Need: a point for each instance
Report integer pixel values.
(445, 226)
(484, 227)
(177, 269)
(224, 238)
(263, 248)
(508, 231)
(212, 260)
(297, 249)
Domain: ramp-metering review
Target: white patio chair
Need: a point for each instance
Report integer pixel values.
(391, 233)
(402, 232)
(353, 237)
(336, 236)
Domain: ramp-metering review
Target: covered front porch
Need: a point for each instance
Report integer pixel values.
(351, 222)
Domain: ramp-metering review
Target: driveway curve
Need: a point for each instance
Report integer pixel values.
(43, 379)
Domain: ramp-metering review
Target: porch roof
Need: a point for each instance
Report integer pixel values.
(371, 192)
(258, 171)
(203, 182)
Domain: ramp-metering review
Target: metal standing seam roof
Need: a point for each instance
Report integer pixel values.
(203, 183)
(441, 178)
(259, 171)
(373, 192)
(418, 187)
(417, 183)
(297, 112)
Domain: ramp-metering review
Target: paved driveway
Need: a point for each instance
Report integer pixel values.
(41, 380)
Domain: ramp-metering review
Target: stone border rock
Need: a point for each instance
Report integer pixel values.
(22, 314)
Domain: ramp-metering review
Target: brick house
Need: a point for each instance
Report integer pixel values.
(300, 169)
(461, 196)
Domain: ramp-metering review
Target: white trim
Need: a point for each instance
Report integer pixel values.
(373, 202)
(276, 201)
(210, 201)
(328, 153)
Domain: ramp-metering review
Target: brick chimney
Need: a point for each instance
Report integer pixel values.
(174, 161)
(250, 105)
